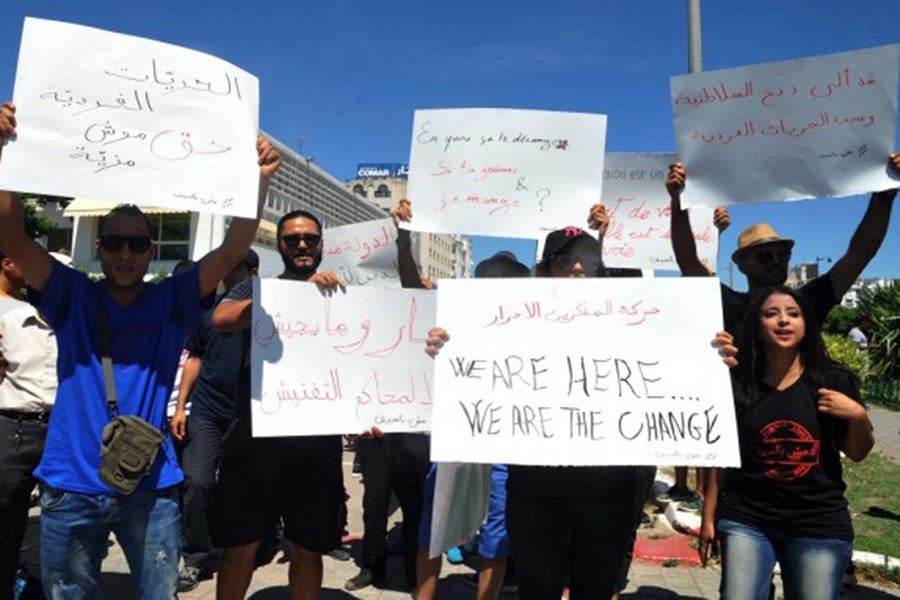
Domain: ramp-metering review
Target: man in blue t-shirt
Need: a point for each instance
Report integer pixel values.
(147, 327)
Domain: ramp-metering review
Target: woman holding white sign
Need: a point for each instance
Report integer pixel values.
(797, 411)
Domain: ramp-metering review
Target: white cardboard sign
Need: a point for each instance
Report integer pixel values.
(809, 128)
(126, 119)
(582, 372)
(339, 363)
(639, 233)
(501, 172)
(363, 253)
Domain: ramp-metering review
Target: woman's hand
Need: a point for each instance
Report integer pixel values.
(836, 404)
(707, 540)
(724, 342)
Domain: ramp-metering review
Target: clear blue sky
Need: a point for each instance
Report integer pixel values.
(347, 75)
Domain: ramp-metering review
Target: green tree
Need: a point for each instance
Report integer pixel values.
(840, 320)
(844, 350)
(882, 306)
(36, 224)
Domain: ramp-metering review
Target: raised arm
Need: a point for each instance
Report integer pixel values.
(217, 263)
(867, 238)
(406, 264)
(683, 244)
(34, 262)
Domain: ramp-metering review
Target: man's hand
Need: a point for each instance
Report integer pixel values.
(598, 219)
(894, 162)
(675, 180)
(7, 123)
(436, 339)
(268, 158)
(403, 212)
(721, 218)
(178, 425)
(836, 404)
(327, 280)
(724, 342)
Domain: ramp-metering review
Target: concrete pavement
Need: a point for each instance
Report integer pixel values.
(887, 431)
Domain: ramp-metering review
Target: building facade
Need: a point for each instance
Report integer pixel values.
(439, 256)
(179, 235)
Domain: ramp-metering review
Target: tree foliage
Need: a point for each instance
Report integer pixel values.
(840, 320)
(36, 224)
(882, 306)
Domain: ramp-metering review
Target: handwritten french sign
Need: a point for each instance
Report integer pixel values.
(809, 128)
(363, 253)
(339, 363)
(500, 172)
(127, 119)
(639, 233)
(582, 372)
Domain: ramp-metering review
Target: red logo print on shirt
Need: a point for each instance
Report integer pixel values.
(787, 449)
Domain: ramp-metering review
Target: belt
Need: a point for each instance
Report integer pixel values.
(43, 417)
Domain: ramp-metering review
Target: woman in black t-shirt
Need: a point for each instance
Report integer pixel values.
(797, 410)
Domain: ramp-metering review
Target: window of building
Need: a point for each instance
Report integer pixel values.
(172, 233)
(382, 191)
(360, 191)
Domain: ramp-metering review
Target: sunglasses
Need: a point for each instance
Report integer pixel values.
(567, 261)
(114, 243)
(769, 256)
(292, 240)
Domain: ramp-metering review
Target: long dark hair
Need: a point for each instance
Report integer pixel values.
(752, 352)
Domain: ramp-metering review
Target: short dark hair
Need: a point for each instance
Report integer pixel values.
(128, 210)
(293, 215)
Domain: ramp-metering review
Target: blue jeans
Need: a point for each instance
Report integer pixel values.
(74, 532)
(811, 568)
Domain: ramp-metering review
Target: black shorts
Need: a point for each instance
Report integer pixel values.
(298, 480)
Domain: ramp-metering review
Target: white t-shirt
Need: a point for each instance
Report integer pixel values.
(28, 345)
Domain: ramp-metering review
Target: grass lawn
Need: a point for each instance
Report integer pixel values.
(873, 490)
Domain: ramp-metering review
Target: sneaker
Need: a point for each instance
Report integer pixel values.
(188, 578)
(695, 504)
(455, 556)
(673, 494)
(364, 578)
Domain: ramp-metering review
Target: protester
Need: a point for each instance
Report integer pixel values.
(27, 389)
(797, 410)
(392, 463)
(567, 524)
(493, 541)
(141, 327)
(298, 480)
(209, 383)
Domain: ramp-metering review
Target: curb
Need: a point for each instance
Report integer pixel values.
(688, 522)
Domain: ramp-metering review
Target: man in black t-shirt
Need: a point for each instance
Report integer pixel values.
(298, 480)
(763, 256)
(209, 383)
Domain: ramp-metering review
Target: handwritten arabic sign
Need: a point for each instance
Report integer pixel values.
(363, 253)
(120, 118)
(499, 172)
(582, 372)
(639, 233)
(340, 363)
(809, 128)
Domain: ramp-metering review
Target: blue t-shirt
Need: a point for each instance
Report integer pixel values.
(146, 339)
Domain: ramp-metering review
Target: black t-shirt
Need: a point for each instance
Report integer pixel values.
(572, 484)
(818, 292)
(791, 483)
(215, 393)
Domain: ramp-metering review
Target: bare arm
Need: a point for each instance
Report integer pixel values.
(178, 425)
(217, 263)
(859, 440)
(866, 239)
(683, 244)
(233, 316)
(34, 262)
(406, 264)
(708, 521)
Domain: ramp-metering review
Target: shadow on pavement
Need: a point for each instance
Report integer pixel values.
(646, 592)
(116, 586)
(863, 592)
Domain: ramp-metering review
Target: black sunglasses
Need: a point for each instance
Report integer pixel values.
(292, 240)
(114, 243)
(768, 256)
(566, 261)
